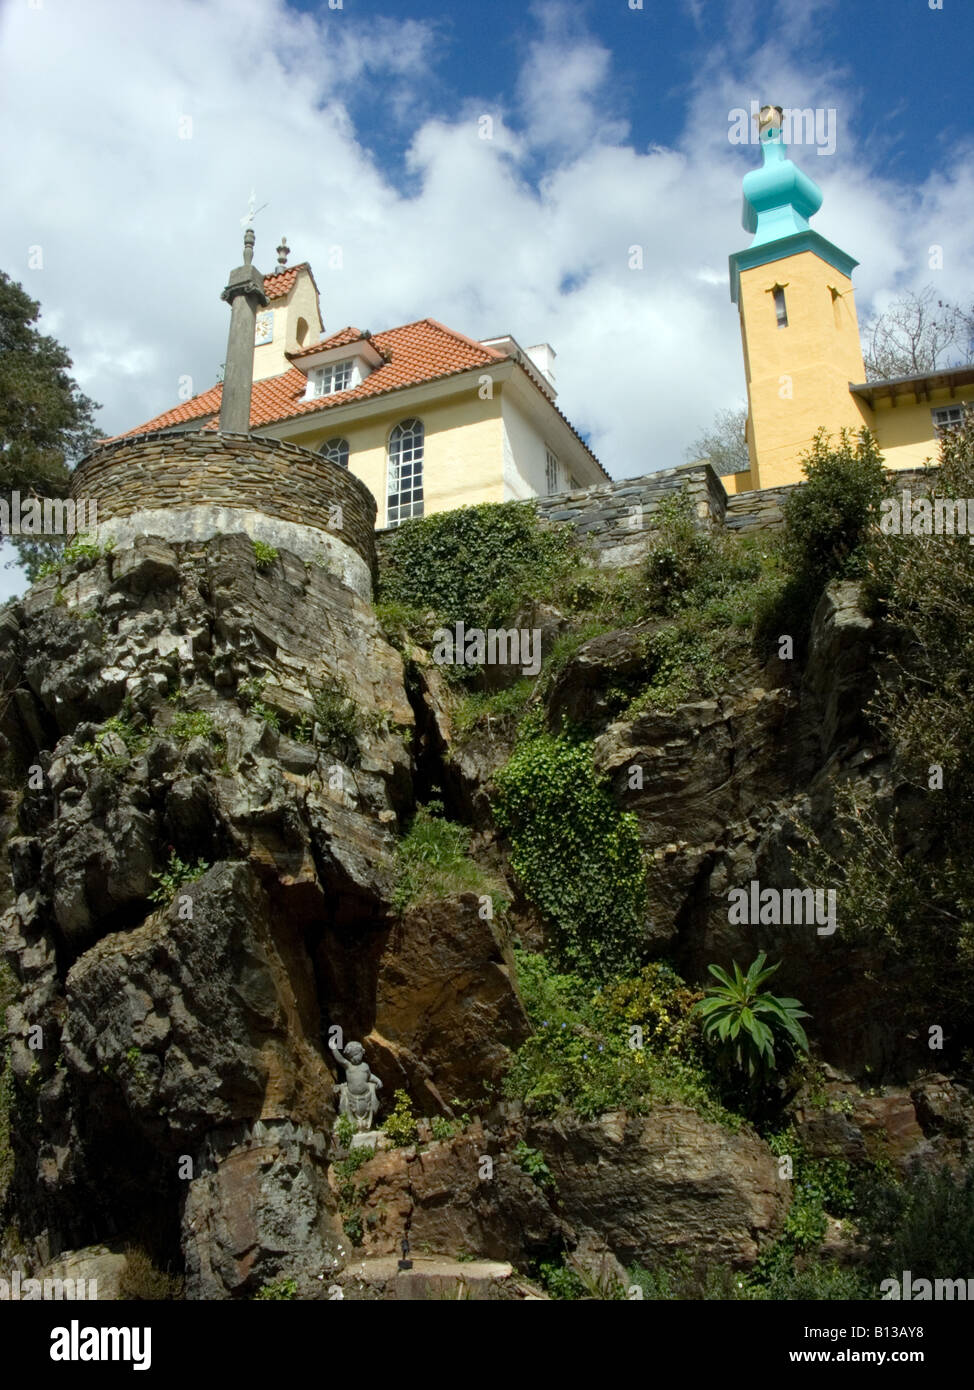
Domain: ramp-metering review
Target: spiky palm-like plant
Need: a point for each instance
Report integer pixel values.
(747, 1022)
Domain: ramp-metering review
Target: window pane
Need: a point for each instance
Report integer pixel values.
(404, 489)
(336, 451)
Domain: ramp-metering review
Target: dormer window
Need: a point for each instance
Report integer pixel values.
(336, 376)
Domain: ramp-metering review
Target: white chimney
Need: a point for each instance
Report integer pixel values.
(543, 356)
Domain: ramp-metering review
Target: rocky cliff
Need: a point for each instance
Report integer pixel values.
(203, 859)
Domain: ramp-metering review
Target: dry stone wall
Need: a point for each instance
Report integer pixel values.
(165, 473)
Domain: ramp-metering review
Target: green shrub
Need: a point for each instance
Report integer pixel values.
(475, 565)
(190, 724)
(78, 548)
(532, 1162)
(279, 1290)
(829, 518)
(357, 1158)
(135, 738)
(777, 1277)
(581, 1056)
(577, 857)
(680, 557)
(401, 1125)
(251, 693)
(175, 877)
(903, 859)
(353, 1227)
(264, 555)
(560, 1281)
(681, 1278)
(442, 1128)
(746, 1022)
(924, 1224)
(433, 862)
(339, 720)
(344, 1131)
(492, 709)
(142, 1280)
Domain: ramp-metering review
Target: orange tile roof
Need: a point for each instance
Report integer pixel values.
(346, 336)
(416, 353)
(278, 283)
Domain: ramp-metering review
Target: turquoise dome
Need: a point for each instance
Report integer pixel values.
(778, 198)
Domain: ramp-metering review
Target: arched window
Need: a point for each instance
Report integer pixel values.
(301, 332)
(335, 451)
(404, 493)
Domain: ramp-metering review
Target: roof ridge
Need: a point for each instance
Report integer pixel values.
(462, 337)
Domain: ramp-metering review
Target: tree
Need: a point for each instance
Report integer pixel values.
(46, 421)
(916, 334)
(724, 443)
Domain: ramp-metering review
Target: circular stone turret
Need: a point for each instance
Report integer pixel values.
(193, 485)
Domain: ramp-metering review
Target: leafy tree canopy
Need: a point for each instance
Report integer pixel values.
(46, 421)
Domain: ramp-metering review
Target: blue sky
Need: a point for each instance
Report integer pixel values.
(910, 65)
(130, 149)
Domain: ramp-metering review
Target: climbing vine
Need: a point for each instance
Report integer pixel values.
(577, 857)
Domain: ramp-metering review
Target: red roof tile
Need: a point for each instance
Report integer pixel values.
(342, 339)
(278, 284)
(416, 353)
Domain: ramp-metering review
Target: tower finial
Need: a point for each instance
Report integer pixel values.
(770, 120)
(249, 246)
(283, 251)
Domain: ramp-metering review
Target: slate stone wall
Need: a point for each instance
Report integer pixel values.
(165, 471)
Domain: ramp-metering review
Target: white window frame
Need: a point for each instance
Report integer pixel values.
(335, 376)
(945, 412)
(335, 451)
(404, 472)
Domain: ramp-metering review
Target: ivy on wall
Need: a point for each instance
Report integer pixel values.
(577, 857)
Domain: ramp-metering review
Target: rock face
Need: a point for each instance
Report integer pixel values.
(455, 1197)
(666, 1183)
(208, 766)
(445, 1005)
(151, 1039)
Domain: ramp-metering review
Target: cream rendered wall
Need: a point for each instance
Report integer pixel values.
(301, 301)
(524, 453)
(905, 432)
(815, 358)
(463, 460)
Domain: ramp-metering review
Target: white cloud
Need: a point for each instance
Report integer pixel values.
(528, 232)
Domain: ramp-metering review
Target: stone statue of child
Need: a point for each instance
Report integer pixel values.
(358, 1093)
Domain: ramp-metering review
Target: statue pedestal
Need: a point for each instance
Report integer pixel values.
(367, 1139)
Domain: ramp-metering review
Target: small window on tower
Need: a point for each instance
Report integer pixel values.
(780, 311)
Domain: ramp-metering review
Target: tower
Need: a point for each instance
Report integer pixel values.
(799, 329)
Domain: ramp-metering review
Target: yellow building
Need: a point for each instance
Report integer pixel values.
(802, 354)
(427, 418)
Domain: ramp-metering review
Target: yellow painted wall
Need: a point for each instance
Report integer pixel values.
(737, 482)
(300, 302)
(463, 460)
(798, 376)
(905, 432)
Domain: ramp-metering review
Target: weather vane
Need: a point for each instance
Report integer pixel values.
(252, 211)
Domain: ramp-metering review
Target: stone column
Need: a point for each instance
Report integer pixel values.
(245, 294)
